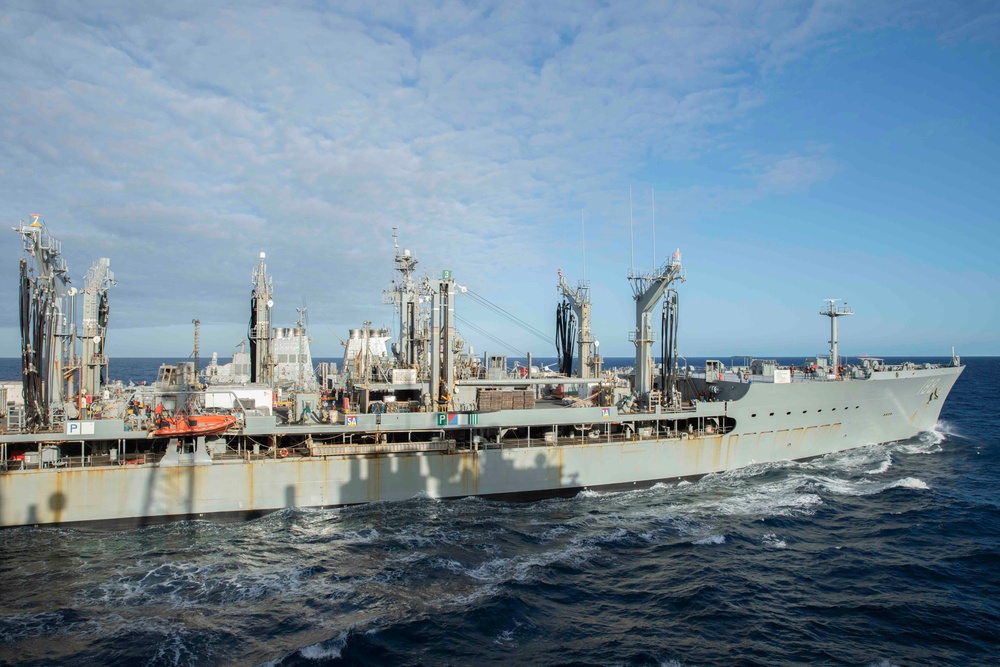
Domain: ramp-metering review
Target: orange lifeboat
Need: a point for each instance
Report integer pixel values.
(186, 426)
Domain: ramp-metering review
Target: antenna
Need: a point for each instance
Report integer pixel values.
(652, 194)
(631, 237)
(197, 324)
(583, 234)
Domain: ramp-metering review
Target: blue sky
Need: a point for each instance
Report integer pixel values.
(798, 151)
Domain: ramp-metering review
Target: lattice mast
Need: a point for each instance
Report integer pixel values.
(405, 298)
(44, 323)
(261, 302)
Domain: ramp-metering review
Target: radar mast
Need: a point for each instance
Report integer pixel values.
(403, 296)
(833, 312)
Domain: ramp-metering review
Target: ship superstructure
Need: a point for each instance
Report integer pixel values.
(417, 413)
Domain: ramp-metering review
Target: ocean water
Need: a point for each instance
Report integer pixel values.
(883, 555)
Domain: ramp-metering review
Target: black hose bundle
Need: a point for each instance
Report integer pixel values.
(102, 323)
(34, 357)
(565, 334)
(42, 352)
(669, 342)
(251, 335)
(28, 371)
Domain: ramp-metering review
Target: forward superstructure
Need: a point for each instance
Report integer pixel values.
(424, 415)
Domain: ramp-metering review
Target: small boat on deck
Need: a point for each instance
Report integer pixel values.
(187, 426)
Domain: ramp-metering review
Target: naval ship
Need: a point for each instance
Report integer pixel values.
(415, 414)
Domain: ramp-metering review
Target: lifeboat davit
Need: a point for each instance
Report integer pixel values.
(186, 426)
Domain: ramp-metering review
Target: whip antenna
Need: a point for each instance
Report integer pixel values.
(631, 237)
(652, 194)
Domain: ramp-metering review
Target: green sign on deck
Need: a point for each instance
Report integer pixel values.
(446, 274)
(456, 419)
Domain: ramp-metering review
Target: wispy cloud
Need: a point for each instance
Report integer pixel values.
(184, 138)
(791, 172)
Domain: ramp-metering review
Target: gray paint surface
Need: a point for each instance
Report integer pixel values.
(773, 422)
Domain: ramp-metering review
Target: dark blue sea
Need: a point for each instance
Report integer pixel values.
(884, 555)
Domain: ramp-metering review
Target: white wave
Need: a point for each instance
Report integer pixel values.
(882, 467)
(910, 483)
(329, 649)
(553, 532)
(711, 539)
(186, 584)
(645, 525)
(168, 641)
(935, 435)
(506, 637)
(751, 471)
(928, 442)
(174, 649)
(410, 557)
(451, 564)
(417, 541)
(843, 487)
(773, 541)
(783, 498)
(947, 430)
(684, 528)
(859, 460)
(363, 536)
(22, 626)
(518, 568)
(466, 600)
(619, 534)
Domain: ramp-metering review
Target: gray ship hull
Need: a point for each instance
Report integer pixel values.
(762, 422)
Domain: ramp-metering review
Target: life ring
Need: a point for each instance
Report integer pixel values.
(282, 452)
